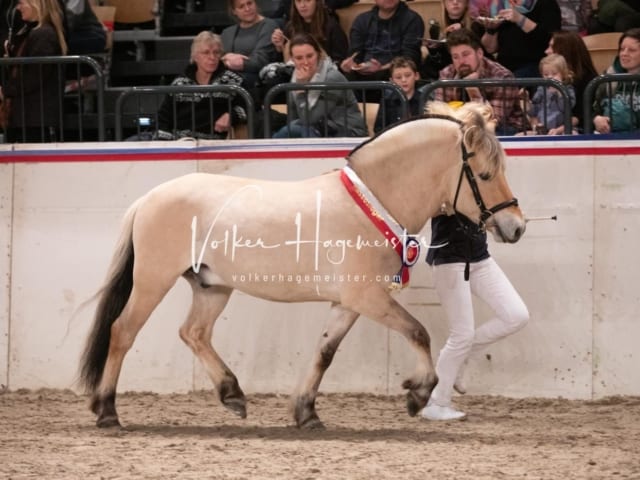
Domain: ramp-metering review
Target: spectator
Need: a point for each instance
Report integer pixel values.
(247, 44)
(200, 114)
(615, 16)
(575, 15)
(311, 16)
(283, 11)
(618, 109)
(404, 74)
(518, 32)
(547, 104)
(34, 92)
(456, 15)
(319, 113)
(571, 46)
(470, 63)
(86, 34)
(390, 29)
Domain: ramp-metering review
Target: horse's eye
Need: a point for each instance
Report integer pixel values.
(485, 176)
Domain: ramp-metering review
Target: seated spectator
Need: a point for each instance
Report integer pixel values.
(390, 29)
(575, 15)
(85, 34)
(456, 15)
(618, 110)
(247, 44)
(311, 16)
(32, 94)
(282, 14)
(201, 115)
(571, 46)
(470, 63)
(547, 105)
(404, 74)
(615, 16)
(319, 113)
(518, 32)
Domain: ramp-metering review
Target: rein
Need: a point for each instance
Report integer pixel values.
(485, 213)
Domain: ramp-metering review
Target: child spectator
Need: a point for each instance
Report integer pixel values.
(547, 104)
(404, 74)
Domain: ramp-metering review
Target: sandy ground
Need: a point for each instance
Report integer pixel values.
(51, 434)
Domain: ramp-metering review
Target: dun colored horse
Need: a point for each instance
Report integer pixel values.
(348, 232)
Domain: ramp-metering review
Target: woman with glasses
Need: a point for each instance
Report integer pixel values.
(202, 115)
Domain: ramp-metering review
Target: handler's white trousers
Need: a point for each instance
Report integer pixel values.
(488, 282)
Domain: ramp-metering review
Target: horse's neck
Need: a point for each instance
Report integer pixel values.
(407, 178)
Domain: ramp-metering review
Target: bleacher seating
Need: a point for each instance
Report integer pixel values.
(603, 48)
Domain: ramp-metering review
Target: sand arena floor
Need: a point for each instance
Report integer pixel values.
(50, 434)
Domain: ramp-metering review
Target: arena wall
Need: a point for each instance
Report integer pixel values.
(60, 212)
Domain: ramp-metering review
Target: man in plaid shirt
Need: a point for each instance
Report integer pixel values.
(470, 63)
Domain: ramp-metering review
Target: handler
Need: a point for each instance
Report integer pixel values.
(465, 254)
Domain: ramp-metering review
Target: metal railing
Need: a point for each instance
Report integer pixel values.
(146, 111)
(429, 89)
(9, 65)
(590, 97)
(346, 87)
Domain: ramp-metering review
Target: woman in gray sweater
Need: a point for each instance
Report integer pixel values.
(319, 113)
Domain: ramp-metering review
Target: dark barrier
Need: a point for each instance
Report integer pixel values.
(626, 108)
(428, 90)
(42, 112)
(345, 88)
(138, 109)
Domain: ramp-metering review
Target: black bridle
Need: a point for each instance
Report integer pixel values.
(485, 212)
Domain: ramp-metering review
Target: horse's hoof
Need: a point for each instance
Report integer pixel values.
(108, 422)
(415, 403)
(237, 406)
(312, 423)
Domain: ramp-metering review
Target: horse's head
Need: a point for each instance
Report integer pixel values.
(481, 189)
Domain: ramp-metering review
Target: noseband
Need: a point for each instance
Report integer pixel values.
(485, 212)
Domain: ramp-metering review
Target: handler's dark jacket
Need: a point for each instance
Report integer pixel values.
(460, 247)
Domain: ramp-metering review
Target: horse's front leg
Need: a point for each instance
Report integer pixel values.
(303, 402)
(377, 304)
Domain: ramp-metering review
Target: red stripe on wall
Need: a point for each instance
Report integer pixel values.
(53, 156)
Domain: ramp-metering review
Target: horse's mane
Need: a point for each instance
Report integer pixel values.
(477, 123)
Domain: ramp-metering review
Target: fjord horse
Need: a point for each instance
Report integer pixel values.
(216, 231)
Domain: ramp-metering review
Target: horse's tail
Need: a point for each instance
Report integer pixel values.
(113, 296)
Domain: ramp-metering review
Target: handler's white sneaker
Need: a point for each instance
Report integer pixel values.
(437, 412)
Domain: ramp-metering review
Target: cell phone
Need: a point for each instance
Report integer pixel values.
(143, 121)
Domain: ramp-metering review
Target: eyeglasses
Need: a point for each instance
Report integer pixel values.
(209, 53)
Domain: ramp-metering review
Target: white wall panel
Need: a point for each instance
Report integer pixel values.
(67, 219)
(616, 292)
(6, 211)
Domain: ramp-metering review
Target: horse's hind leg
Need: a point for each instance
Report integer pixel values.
(304, 400)
(123, 333)
(196, 332)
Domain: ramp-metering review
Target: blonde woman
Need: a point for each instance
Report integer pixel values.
(200, 114)
(35, 91)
